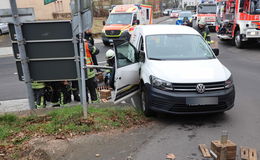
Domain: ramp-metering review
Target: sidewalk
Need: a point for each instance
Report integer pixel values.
(14, 105)
(6, 51)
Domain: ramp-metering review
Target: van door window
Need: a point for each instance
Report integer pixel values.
(141, 44)
(126, 55)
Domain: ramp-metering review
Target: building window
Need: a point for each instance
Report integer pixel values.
(59, 6)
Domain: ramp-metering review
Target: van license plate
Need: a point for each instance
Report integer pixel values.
(202, 101)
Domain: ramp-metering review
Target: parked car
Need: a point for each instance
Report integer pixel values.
(184, 15)
(4, 28)
(167, 12)
(175, 71)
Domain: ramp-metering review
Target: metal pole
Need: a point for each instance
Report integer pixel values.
(22, 52)
(77, 63)
(83, 78)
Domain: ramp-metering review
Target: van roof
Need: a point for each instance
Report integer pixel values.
(125, 8)
(166, 29)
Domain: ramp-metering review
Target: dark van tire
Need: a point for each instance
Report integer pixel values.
(145, 104)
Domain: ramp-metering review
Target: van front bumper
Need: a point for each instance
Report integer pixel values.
(176, 102)
(106, 39)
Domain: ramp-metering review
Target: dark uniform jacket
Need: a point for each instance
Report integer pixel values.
(204, 32)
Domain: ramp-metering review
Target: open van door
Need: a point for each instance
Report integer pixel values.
(127, 72)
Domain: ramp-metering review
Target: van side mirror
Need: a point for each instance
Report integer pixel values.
(104, 23)
(241, 10)
(141, 56)
(216, 51)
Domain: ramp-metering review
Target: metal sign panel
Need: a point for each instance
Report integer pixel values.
(40, 50)
(49, 48)
(48, 1)
(5, 4)
(58, 70)
(44, 30)
(86, 23)
(85, 5)
(25, 15)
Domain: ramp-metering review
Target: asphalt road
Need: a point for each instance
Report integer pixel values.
(181, 135)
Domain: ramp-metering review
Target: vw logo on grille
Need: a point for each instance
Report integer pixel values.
(200, 88)
(112, 32)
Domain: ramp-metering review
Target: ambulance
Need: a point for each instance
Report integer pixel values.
(123, 19)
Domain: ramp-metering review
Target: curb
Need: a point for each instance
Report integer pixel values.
(6, 51)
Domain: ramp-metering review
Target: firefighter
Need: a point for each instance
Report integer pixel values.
(186, 22)
(203, 29)
(91, 81)
(60, 93)
(75, 90)
(54, 93)
(89, 37)
(110, 56)
(39, 94)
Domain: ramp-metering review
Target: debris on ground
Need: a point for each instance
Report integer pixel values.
(170, 156)
(204, 150)
(248, 153)
(225, 149)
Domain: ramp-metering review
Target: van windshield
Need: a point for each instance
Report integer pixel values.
(122, 18)
(177, 47)
(207, 9)
(255, 6)
(185, 14)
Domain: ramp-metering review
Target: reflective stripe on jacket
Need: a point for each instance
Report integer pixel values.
(89, 61)
(38, 85)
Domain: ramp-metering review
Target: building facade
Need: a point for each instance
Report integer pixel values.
(56, 10)
(60, 9)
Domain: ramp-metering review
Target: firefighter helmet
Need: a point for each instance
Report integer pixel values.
(202, 21)
(110, 54)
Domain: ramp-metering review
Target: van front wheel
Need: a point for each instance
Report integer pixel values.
(145, 105)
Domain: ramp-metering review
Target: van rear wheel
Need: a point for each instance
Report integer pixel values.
(145, 105)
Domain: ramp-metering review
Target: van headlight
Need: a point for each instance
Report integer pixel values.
(229, 82)
(161, 84)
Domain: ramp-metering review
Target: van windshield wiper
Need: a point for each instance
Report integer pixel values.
(157, 59)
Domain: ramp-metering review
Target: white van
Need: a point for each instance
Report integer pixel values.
(175, 70)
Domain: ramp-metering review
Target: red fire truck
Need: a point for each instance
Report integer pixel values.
(238, 20)
(208, 11)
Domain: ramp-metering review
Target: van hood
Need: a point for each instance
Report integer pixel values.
(189, 71)
(116, 27)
